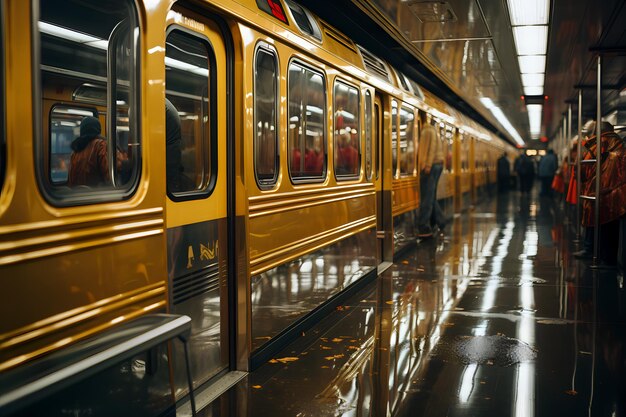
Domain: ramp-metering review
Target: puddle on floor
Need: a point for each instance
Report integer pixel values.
(484, 350)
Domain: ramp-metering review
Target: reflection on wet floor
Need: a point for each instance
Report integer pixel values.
(495, 318)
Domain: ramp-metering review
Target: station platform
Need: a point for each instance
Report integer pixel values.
(493, 318)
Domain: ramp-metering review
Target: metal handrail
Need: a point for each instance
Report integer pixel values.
(597, 160)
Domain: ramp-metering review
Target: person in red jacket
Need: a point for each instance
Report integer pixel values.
(89, 164)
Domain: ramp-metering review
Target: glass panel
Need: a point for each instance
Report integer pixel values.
(447, 137)
(64, 128)
(89, 55)
(407, 141)
(347, 138)
(306, 123)
(368, 135)
(394, 137)
(187, 108)
(265, 117)
(303, 21)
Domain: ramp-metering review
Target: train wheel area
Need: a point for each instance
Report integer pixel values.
(495, 317)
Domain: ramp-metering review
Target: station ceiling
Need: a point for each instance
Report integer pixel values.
(464, 51)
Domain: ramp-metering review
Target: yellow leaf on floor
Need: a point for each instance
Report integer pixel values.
(287, 359)
(330, 358)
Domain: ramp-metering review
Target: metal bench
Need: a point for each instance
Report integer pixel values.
(52, 373)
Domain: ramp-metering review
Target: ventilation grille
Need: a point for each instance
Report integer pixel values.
(199, 282)
(374, 65)
(339, 37)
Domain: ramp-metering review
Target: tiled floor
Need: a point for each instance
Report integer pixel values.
(493, 319)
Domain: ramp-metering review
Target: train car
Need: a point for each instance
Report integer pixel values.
(242, 163)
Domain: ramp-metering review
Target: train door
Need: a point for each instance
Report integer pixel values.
(196, 203)
(383, 193)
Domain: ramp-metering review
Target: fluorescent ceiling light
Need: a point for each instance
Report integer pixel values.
(529, 12)
(531, 40)
(533, 80)
(497, 112)
(72, 35)
(534, 118)
(532, 64)
(174, 63)
(533, 91)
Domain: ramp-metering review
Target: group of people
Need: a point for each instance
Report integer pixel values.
(89, 167)
(563, 179)
(525, 170)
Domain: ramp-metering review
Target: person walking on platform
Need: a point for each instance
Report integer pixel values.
(525, 169)
(430, 166)
(547, 168)
(612, 192)
(504, 173)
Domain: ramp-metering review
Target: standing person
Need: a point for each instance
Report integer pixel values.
(173, 152)
(525, 169)
(613, 191)
(547, 168)
(504, 173)
(89, 164)
(430, 166)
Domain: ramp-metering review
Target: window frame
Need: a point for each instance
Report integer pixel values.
(347, 177)
(306, 66)
(395, 129)
(410, 110)
(368, 120)
(211, 136)
(60, 195)
(264, 47)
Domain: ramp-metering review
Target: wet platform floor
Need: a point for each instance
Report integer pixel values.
(494, 318)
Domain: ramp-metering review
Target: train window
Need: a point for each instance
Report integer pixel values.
(407, 141)
(394, 137)
(304, 21)
(82, 158)
(347, 137)
(64, 127)
(265, 116)
(403, 81)
(189, 109)
(368, 135)
(307, 110)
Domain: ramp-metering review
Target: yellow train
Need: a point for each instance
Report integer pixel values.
(255, 165)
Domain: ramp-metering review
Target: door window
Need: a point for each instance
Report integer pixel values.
(190, 139)
(88, 57)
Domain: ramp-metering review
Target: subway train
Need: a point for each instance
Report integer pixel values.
(255, 165)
